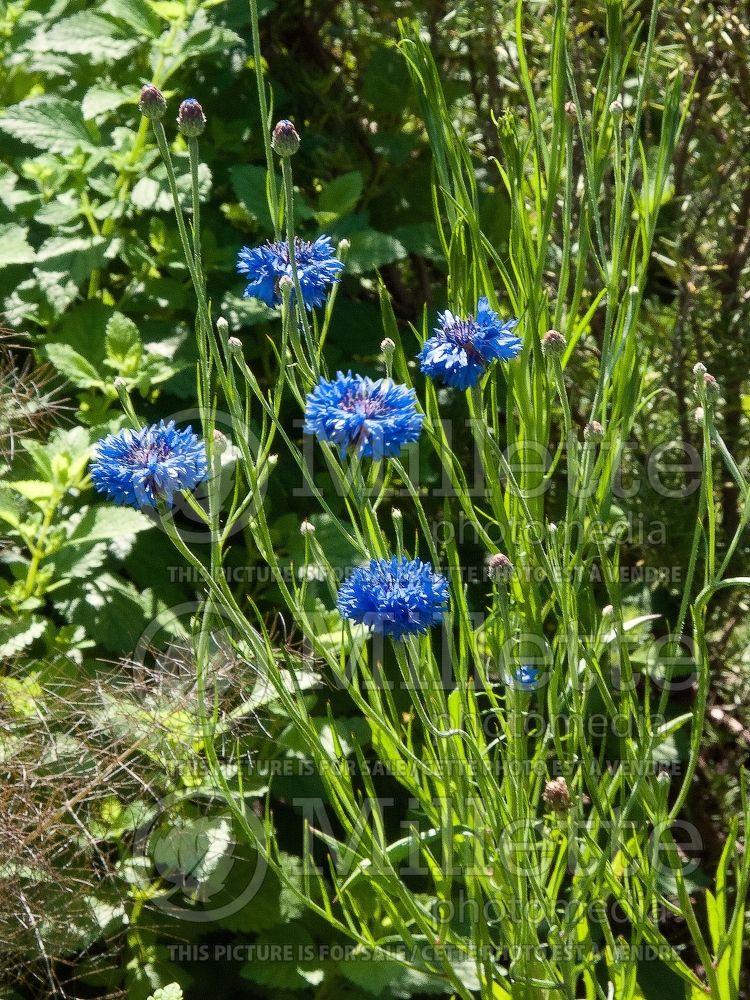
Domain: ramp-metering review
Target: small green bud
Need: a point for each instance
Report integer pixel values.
(556, 795)
(554, 344)
(152, 103)
(190, 118)
(500, 568)
(285, 140)
(593, 431)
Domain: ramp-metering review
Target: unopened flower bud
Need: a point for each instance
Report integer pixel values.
(387, 346)
(190, 118)
(285, 139)
(607, 611)
(500, 568)
(552, 528)
(286, 285)
(556, 795)
(307, 528)
(616, 107)
(234, 344)
(711, 386)
(222, 326)
(699, 415)
(152, 103)
(553, 344)
(570, 109)
(343, 248)
(120, 384)
(272, 460)
(221, 442)
(699, 369)
(396, 513)
(593, 431)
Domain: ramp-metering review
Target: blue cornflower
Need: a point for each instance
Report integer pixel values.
(526, 677)
(375, 418)
(140, 467)
(395, 597)
(462, 349)
(317, 268)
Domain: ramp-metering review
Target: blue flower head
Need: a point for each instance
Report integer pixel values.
(394, 597)
(140, 467)
(317, 268)
(526, 678)
(374, 418)
(461, 349)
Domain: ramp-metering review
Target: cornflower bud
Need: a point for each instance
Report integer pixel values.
(190, 118)
(307, 528)
(616, 107)
(593, 431)
(387, 346)
(285, 140)
(570, 109)
(152, 104)
(500, 568)
(556, 795)
(234, 344)
(554, 344)
(711, 386)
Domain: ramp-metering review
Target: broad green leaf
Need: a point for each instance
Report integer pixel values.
(73, 366)
(123, 344)
(107, 522)
(340, 197)
(198, 851)
(102, 98)
(17, 635)
(86, 33)
(136, 14)
(54, 124)
(32, 489)
(74, 256)
(370, 250)
(249, 184)
(14, 246)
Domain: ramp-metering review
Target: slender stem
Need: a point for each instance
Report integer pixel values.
(273, 198)
(286, 168)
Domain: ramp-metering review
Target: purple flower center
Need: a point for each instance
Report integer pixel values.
(149, 452)
(364, 405)
(462, 332)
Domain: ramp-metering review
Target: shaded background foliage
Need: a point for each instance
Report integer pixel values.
(92, 285)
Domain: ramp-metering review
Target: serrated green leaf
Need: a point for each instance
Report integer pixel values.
(123, 344)
(14, 246)
(136, 14)
(54, 124)
(17, 635)
(32, 489)
(106, 523)
(100, 99)
(74, 256)
(86, 33)
(73, 366)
